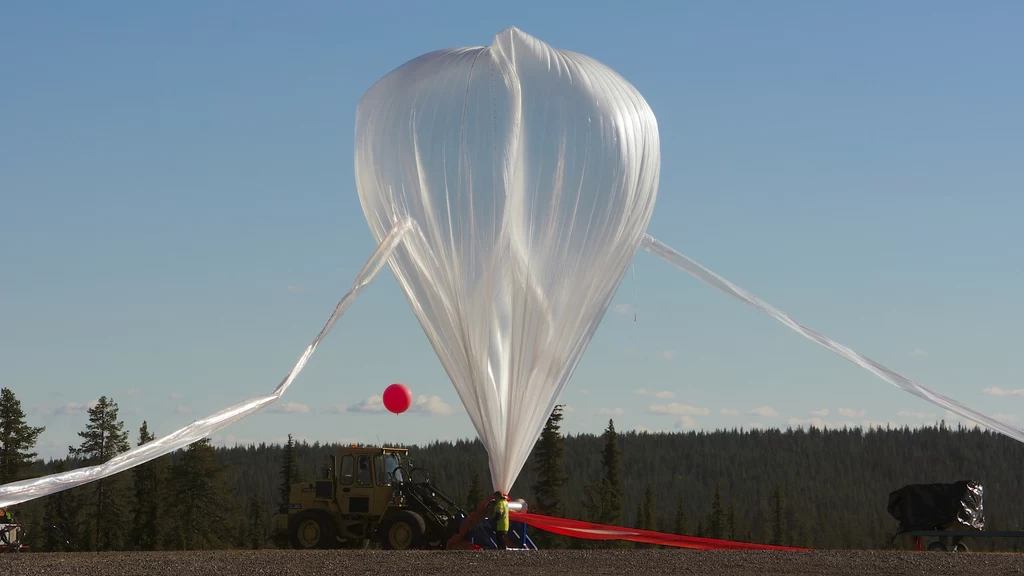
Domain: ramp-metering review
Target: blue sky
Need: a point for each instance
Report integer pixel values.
(178, 212)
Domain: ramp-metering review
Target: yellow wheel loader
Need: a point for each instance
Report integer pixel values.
(366, 494)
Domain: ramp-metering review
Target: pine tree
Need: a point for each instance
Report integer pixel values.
(680, 523)
(257, 528)
(242, 535)
(730, 523)
(547, 491)
(645, 515)
(17, 438)
(103, 438)
(202, 504)
(648, 511)
(475, 497)
(60, 518)
(145, 534)
(289, 475)
(638, 523)
(716, 520)
(779, 521)
(612, 485)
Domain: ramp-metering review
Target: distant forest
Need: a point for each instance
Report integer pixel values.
(816, 488)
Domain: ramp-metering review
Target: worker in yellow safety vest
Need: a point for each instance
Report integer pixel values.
(499, 519)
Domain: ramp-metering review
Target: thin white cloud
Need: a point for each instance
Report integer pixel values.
(231, 440)
(306, 440)
(73, 408)
(851, 413)
(868, 424)
(133, 392)
(686, 422)
(610, 412)
(755, 426)
(818, 422)
(294, 289)
(335, 409)
(623, 309)
(729, 412)
(431, 405)
(424, 405)
(676, 409)
(373, 405)
(764, 412)
(176, 396)
(915, 415)
(918, 353)
(668, 354)
(820, 413)
(180, 409)
(567, 409)
(952, 419)
(1005, 417)
(996, 391)
(659, 394)
(288, 408)
(584, 391)
(51, 449)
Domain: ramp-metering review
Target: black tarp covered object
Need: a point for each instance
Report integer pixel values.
(959, 505)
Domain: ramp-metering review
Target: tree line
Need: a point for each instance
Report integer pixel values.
(815, 488)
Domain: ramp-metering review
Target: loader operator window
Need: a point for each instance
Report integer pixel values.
(386, 466)
(363, 475)
(346, 469)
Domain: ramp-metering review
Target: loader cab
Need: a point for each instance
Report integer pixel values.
(364, 479)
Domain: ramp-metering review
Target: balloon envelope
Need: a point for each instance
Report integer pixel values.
(531, 174)
(397, 398)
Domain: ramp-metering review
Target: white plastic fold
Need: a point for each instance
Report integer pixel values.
(17, 492)
(663, 251)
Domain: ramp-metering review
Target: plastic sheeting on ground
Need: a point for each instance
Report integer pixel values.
(591, 531)
(660, 249)
(532, 173)
(939, 506)
(16, 492)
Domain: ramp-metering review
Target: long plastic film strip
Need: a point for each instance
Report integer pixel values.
(688, 265)
(22, 491)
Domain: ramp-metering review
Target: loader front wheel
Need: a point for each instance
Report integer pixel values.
(313, 529)
(402, 530)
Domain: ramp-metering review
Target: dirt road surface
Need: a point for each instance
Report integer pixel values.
(542, 563)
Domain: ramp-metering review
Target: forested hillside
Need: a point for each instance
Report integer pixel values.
(831, 487)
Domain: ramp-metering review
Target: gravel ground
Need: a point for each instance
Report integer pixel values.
(587, 563)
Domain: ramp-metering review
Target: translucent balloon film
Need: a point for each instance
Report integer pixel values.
(531, 173)
(684, 263)
(24, 490)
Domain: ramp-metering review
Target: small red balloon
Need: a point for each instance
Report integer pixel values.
(397, 398)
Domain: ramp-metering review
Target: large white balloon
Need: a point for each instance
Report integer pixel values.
(531, 173)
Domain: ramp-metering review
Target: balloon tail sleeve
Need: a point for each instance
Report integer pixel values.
(684, 263)
(24, 490)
